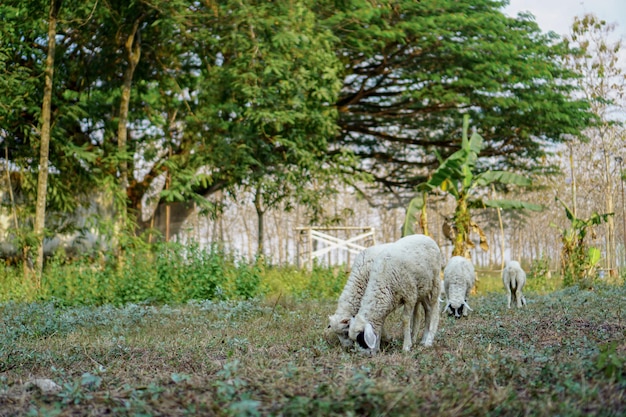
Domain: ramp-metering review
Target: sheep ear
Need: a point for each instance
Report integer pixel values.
(370, 336)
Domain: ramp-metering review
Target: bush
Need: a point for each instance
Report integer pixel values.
(540, 278)
(167, 273)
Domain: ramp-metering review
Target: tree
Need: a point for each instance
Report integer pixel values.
(266, 95)
(410, 67)
(44, 146)
(603, 86)
(19, 87)
(457, 176)
(29, 125)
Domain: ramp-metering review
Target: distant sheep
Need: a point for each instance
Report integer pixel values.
(350, 298)
(458, 281)
(514, 279)
(406, 272)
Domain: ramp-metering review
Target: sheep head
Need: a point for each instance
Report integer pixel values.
(340, 326)
(458, 311)
(363, 332)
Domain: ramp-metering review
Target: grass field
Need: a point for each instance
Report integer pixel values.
(565, 355)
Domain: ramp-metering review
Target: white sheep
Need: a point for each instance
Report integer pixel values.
(514, 279)
(406, 272)
(458, 281)
(350, 298)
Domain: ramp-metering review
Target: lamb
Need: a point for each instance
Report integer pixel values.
(406, 273)
(514, 279)
(458, 281)
(350, 298)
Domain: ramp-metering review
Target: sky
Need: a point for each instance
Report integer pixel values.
(558, 15)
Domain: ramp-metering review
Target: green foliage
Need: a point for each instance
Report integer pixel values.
(292, 93)
(578, 261)
(189, 273)
(324, 283)
(248, 280)
(412, 65)
(166, 274)
(458, 176)
(612, 362)
(539, 278)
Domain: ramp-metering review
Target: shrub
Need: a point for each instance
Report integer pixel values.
(166, 273)
(539, 276)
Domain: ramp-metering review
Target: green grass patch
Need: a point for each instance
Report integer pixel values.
(167, 274)
(564, 354)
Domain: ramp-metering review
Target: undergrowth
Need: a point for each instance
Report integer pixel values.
(166, 274)
(563, 354)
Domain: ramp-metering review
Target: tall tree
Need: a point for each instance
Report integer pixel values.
(19, 89)
(44, 145)
(27, 126)
(265, 91)
(410, 67)
(604, 86)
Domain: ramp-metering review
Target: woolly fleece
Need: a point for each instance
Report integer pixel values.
(514, 279)
(407, 272)
(458, 280)
(352, 294)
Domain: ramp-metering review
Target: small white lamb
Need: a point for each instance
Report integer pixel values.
(458, 281)
(350, 298)
(514, 279)
(406, 272)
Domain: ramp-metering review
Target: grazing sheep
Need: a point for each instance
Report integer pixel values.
(458, 281)
(350, 298)
(514, 279)
(406, 272)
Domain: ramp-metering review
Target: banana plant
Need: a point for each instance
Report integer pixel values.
(457, 177)
(578, 261)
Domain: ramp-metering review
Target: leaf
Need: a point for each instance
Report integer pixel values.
(484, 245)
(502, 177)
(412, 213)
(512, 204)
(593, 256)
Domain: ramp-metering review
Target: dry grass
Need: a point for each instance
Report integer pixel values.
(565, 354)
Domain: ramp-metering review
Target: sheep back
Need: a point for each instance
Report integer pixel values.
(514, 276)
(514, 279)
(458, 280)
(405, 272)
(352, 294)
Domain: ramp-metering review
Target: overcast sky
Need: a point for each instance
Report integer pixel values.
(558, 15)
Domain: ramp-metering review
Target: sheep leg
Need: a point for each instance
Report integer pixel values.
(407, 316)
(431, 319)
(508, 296)
(418, 317)
(518, 298)
(380, 338)
(466, 310)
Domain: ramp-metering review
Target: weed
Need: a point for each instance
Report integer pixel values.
(611, 362)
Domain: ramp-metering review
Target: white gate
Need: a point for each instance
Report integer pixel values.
(335, 244)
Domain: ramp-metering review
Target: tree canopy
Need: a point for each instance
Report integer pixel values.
(221, 94)
(411, 67)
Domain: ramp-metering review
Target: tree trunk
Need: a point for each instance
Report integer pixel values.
(462, 223)
(609, 208)
(573, 177)
(258, 205)
(133, 52)
(44, 147)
